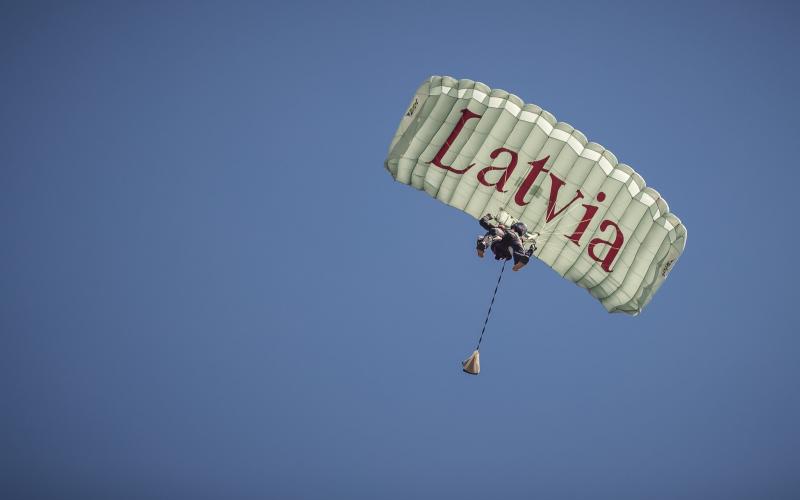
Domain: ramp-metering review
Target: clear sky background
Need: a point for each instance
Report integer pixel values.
(211, 288)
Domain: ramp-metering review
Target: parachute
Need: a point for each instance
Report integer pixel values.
(484, 150)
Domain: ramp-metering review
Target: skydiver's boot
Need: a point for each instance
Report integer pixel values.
(481, 246)
(520, 259)
(523, 260)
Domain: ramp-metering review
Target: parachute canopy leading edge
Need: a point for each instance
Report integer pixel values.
(485, 151)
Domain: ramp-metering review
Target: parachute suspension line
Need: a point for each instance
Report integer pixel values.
(478, 347)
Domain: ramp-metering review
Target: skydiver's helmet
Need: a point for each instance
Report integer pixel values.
(520, 228)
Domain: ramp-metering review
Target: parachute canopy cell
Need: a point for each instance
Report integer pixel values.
(483, 150)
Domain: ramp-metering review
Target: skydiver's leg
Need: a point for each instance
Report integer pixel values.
(521, 257)
(485, 222)
(485, 241)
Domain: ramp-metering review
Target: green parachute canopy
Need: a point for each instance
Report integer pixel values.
(485, 151)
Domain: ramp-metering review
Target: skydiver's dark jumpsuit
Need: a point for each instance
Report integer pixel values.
(505, 243)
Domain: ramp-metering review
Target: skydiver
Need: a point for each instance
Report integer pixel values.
(505, 243)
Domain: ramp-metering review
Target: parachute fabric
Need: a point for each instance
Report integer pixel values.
(485, 151)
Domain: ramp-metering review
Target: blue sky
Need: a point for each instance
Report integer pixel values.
(211, 288)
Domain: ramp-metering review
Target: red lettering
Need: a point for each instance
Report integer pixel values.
(612, 252)
(509, 169)
(555, 187)
(585, 220)
(466, 114)
(538, 167)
